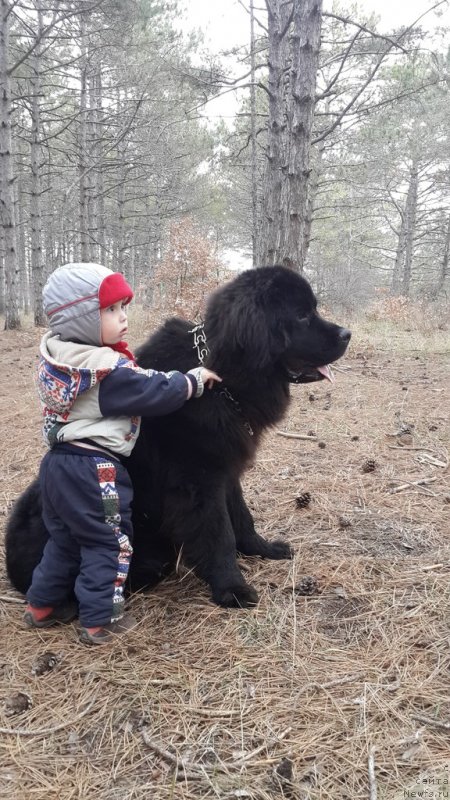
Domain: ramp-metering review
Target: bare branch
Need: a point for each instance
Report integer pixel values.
(348, 21)
(46, 30)
(373, 73)
(327, 91)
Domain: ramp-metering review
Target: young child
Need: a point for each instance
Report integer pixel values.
(93, 396)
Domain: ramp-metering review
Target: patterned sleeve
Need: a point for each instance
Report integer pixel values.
(130, 390)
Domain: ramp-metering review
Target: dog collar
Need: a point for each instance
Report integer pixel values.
(201, 345)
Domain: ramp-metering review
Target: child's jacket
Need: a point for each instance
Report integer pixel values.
(96, 393)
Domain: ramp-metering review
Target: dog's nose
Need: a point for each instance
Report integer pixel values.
(345, 334)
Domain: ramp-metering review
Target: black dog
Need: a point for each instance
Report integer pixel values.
(261, 333)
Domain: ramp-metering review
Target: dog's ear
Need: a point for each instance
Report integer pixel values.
(251, 328)
(246, 326)
(281, 335)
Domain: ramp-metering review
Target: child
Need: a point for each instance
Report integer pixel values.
(93, 396)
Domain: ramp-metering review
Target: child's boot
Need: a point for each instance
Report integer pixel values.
(48, 616)
(108, 633)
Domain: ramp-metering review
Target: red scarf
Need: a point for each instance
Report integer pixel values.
(122, 347)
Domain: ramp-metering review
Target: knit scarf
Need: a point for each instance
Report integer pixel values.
(122, 347)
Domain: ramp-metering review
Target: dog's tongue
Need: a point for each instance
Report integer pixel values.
(326, 372)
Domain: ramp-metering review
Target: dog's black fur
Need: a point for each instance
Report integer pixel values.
(263, 333)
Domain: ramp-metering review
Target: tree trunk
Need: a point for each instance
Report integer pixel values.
(410, 228)
(396, 283)
(82, 144)
(91, 159)
(121, 243)
(305, 45)
(401, 276)
(2, 279)
(37, 272)
(445, 271)
(98, 188)
(21, 246)
(313, 187)
(253, 135)
(279, 15)
(293, 64)
(12, 319)
(120, 225)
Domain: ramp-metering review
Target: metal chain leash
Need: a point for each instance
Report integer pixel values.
(201, 345)
(226, 392)
(200, 342)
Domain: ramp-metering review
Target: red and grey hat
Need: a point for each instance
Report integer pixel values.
(74, 295)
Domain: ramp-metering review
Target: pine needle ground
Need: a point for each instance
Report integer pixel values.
(336, 687)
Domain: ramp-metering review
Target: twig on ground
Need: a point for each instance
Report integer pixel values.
(45, 731)
(409, 447)
(436, 723)
(336, 682)
(168, 756)
(264, 746)
(180, 766)
(212, 712)
(420, 482)
(10, 599)
(424, 458)
(305, 436)
(372, 779)
(330, 684)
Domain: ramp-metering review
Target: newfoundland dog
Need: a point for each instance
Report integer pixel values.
(261, 332)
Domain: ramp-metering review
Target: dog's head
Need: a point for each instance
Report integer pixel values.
(268, 318)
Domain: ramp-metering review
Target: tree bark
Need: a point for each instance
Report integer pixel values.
(401, 276)
(254, 183)
(2, 277)
(82, 144)
(410, 228)
(21, 245)
(98, 222)
(293, 64)
(37, 272)
(313, 188)
(279, 15)
(445, 271)
(12, 319)
(305, 45)
(396, 282)
(120, 234)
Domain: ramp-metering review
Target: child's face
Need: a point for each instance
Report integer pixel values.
(114, 322)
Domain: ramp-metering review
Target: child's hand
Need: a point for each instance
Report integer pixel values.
(208, 377)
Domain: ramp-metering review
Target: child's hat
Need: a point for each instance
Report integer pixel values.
(74, 295)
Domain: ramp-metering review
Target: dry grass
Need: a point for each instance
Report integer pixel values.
(202, 702)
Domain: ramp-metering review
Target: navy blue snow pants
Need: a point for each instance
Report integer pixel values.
(86, 499)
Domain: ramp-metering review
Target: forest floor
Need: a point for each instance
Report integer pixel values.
(336, 687)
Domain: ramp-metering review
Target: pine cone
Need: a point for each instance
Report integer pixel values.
(369, 465)
(45, 662)
(284, 770)
(17, 703)
(307, 586)
(303, 500)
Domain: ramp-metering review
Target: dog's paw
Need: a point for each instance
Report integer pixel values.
(278, 550)
(240, 596)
